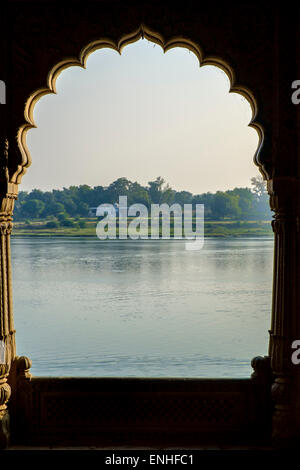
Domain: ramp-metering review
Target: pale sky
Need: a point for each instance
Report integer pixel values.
(141, 115)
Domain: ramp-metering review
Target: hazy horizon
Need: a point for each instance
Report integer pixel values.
(141, 115)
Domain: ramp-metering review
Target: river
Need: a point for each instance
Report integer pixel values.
(141, 308)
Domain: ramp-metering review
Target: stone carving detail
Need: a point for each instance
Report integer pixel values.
(4, 176)
(6, 324)
(23, 366)
(5, 393)
(7, 331)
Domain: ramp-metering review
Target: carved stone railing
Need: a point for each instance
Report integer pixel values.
(138, 411)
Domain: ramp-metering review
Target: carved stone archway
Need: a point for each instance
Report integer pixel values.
(42, 36)
(141, 33)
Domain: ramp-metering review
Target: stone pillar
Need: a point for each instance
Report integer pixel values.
(7, 331)
(285, 309)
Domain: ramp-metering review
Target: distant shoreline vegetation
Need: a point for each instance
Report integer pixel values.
(71, 211)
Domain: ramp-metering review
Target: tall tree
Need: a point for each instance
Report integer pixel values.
(225, 205)
(258, 186)
(33, 208)
(160, 192)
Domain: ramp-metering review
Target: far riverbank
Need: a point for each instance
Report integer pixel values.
(86, 227)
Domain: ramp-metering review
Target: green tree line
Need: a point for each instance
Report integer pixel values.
(236, 204)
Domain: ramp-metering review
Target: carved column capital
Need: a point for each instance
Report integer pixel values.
(284, 222)
(6, 226)
(282, 191)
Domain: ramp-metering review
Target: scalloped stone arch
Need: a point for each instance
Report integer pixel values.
(142, 32)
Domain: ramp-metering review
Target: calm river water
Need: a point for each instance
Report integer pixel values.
(85, 307)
